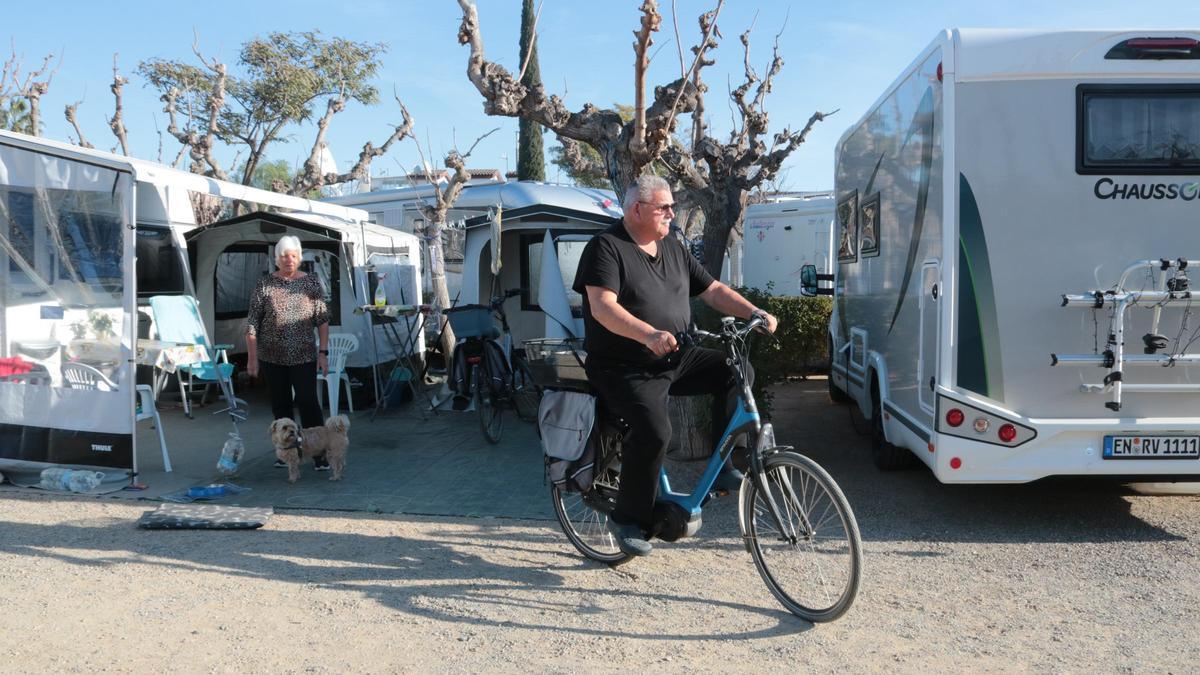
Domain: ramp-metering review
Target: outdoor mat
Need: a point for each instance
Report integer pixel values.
(204, 517)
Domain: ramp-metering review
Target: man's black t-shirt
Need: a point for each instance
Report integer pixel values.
(654, 289)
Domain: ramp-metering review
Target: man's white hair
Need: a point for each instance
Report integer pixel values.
(643, 189)
(287, 243)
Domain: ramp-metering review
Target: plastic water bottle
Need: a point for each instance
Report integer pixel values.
(380, 295)
(68, 479)
(231, 454)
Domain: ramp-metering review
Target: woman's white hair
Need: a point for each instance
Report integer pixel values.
(643, 189)
(287, 243)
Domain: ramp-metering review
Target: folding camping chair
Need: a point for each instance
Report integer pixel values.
(177, 319)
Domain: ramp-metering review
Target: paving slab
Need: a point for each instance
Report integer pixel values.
(405, 460)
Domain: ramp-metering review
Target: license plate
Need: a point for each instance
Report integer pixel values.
(1151, 447)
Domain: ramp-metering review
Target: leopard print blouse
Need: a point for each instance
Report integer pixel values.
(283, 315)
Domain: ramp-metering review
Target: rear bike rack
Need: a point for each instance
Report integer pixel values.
(1171, 290)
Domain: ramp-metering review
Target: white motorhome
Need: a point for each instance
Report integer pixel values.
(993, 205)
(783, 235)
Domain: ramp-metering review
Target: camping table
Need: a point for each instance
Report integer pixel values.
(403, 347)
(167, 356)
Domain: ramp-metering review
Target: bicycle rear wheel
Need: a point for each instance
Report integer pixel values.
(584, 517)
(526, 394)
(485, 405)
(813, 564)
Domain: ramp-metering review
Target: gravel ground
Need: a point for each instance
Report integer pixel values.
(1062, 576)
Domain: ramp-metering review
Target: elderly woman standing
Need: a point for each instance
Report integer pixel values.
(285, 308)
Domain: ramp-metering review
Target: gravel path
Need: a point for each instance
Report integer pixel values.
(1066, 576)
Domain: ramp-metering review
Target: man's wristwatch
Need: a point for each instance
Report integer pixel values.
(323, 351)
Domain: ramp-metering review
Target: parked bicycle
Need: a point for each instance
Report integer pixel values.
(794, 519)
(493, 377)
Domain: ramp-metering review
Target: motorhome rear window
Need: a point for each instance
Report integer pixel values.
(1138, 129)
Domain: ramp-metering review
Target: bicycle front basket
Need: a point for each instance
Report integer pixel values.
(471, 321)
(556, 363)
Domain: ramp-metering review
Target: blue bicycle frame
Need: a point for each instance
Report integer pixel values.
(745, 420)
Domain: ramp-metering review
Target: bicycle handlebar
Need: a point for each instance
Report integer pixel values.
(497, 301)
(730, 329)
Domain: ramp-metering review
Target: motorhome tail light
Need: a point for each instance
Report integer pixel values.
(939, 71)
(1007, 433)
(1156, 48)
(955, 462)
(990, 426)
(955, 417)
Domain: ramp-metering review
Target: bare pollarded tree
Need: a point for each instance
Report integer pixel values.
(444, 197)
(625, 147)
(711, 175)
(718, 177)
(21, 97)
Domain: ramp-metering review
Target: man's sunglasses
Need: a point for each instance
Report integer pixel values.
(661, 208)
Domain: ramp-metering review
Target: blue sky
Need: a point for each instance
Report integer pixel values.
(839, 55)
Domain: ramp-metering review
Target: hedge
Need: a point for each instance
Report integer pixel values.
(803, 344)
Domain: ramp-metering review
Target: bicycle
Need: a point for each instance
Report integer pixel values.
(490, 386)
(790, 509)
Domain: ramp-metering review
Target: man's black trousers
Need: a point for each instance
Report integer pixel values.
(639, 396)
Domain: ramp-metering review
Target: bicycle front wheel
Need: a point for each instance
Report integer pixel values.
(811, 556)
(485, 405)
(526, 395)
(584, 517)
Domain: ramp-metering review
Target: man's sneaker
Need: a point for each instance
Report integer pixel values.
(321, 463)
(729, 480)
(629, 538)
(280, 464)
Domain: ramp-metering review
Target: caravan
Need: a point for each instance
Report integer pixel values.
(501, 244)
(86, 238)
(1002, 171)
(783, 235)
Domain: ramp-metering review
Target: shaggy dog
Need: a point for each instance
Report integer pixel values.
(291, 444)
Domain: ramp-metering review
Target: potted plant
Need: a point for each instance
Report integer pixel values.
(101, 325)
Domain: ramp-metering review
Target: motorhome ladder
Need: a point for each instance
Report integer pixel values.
(1171, 290)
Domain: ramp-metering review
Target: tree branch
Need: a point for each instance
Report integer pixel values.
(117, 123)
(572, 154)
(33, 90)
(70, 114)
(651, 20)
(310, 178)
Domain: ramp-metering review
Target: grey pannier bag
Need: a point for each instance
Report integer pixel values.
(566, 420)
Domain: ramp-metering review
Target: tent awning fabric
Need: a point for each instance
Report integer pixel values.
(328, 227)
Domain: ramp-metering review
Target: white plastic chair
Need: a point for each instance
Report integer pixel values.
(341, 345)
(149, 412)
(83, 376)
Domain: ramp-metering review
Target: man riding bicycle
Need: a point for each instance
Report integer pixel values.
(636, 289)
